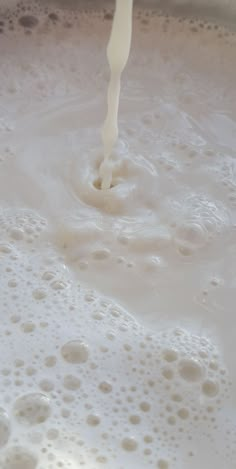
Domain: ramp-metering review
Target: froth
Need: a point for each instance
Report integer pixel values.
(163, 385)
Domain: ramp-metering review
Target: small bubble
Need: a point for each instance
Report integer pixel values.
(176, 397)
(20, 458)
(52, 434)
(129, 444)
(135, 419)
(93, 420)
(183, 413)
(75, 351)
(30, 371)
(17, 234)
(28, 21)
(28, 327)
(48, 275)
(32, 409)
(108, 16)
(210, 388)
(145, 406)
(171, 420)
(19, 363)
(190, 370)
(58, 285)
(71, 382)
(65, 413)
(50, 361)
(46, 385)
(105, 387)
(170, 355)
(5, 248)
(5, 428)
(101, 254)
(53, 16)
(167, 373)
(162, 464)
(39, 294)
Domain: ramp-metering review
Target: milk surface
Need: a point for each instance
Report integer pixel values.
(117, 306)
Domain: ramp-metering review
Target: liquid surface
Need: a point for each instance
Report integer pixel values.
(117, 52)
(117, 307)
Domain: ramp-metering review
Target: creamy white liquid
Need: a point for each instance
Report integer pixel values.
(117, 307)
(117, 53)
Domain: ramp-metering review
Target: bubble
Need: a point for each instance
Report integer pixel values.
(105, 387)
(168, 373)
(176, 397)
(5, 429)
(28, 21)
(145, 406)
(39, 294)
(50, 361)
(19, 363)
(135, 419)
(48, 276)
(93, 420)
(32, 409)
(210, 388)
(12, 283)
(190, 370)
(53, 16)
(102, 459)
(65, 413)
(129, 444)
(46, 385)
(170, 355)
(71, 382)
(28, 327)
(5, 248)
(75, 351)
(171, 420)
(36, 437)
(101, 254)
(190, 236)
(17, 234)
(162, 464)
(30, 371)
(20, 458)
(52, 434)
(183, 413)
(98, 316)
(108, 16)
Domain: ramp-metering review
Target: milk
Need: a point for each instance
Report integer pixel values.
(117, 305)
(117, 53)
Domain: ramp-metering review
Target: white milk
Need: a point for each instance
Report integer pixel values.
(117, 307)
(117, 53)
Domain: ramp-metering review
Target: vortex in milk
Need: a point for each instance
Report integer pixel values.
(117, 306)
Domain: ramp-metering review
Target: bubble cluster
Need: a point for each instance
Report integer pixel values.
(163, 385)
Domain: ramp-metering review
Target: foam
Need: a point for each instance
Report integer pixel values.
(115, 349)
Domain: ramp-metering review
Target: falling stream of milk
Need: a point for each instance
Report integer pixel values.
(118, 53)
